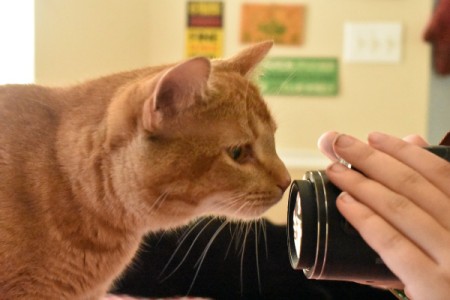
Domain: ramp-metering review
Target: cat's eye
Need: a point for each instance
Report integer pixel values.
(236, 152)
(239, 154)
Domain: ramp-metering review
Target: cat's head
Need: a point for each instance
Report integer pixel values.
(198, 139)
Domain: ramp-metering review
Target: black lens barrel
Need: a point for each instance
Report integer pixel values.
(330, 247)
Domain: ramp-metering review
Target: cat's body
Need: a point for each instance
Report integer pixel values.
(86, 171)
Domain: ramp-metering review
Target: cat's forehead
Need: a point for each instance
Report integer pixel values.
(227, 133)
(236, 113)
(241, 97)
(232, 112)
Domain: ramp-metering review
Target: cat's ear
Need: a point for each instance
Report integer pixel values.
(176, 90)
(246, 60)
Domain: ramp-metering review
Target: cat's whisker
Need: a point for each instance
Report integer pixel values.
(187, 252)
(188, 229)
(229, 203)
(242, 257)
(237, 203)
(199, 262)
(242, 207)
(202, 256)
(230, 206)
(229, 245)
(158, 202)
(240, 235)
(236, 197)
(233, 238)
(264, 231)
(257, 257)
(232, 201)
(285, 82)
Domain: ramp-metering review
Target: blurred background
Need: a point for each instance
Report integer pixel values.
(61, 42)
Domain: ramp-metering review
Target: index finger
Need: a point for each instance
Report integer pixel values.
(435, 169)
(326, 140)
(398, 175)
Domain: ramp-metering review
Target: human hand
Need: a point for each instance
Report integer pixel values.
(401, 206)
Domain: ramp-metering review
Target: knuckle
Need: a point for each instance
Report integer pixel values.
(368, 154)
(444, 260)
(409, 179)
(443, 170)
(360, 153)
(398, 204)
(444, 275)
(401, 147)
(393, 240)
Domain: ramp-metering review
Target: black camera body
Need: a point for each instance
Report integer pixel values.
(322, 243)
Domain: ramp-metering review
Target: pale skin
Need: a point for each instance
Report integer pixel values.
(401, 207)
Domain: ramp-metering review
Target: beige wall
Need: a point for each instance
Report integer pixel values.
(79, 39)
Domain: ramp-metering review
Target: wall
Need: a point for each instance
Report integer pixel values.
(81, 39)
(439, 107)
(78, 39)
(391, 98)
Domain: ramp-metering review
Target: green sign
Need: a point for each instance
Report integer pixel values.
(300, 76)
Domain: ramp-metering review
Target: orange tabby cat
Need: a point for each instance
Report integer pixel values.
(86, 171)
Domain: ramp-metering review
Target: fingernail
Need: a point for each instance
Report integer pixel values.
(346, 197)
(343, 140)
(337, 168)
(325, 144)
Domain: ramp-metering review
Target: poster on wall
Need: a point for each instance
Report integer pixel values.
(283, 23)
(300, 76)
(204, 33)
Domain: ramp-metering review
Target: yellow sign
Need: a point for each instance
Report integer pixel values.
(204, 34)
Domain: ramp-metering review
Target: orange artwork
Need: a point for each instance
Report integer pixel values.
(282, 23)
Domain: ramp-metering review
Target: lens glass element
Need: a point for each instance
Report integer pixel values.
(297, 222)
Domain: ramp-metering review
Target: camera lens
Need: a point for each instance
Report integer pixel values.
(321, 242)
(297, 224)
(302, 225)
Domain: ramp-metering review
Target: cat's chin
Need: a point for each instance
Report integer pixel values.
(245, 215)
(250, 216)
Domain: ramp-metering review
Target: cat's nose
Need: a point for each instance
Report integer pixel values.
(284, 181)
